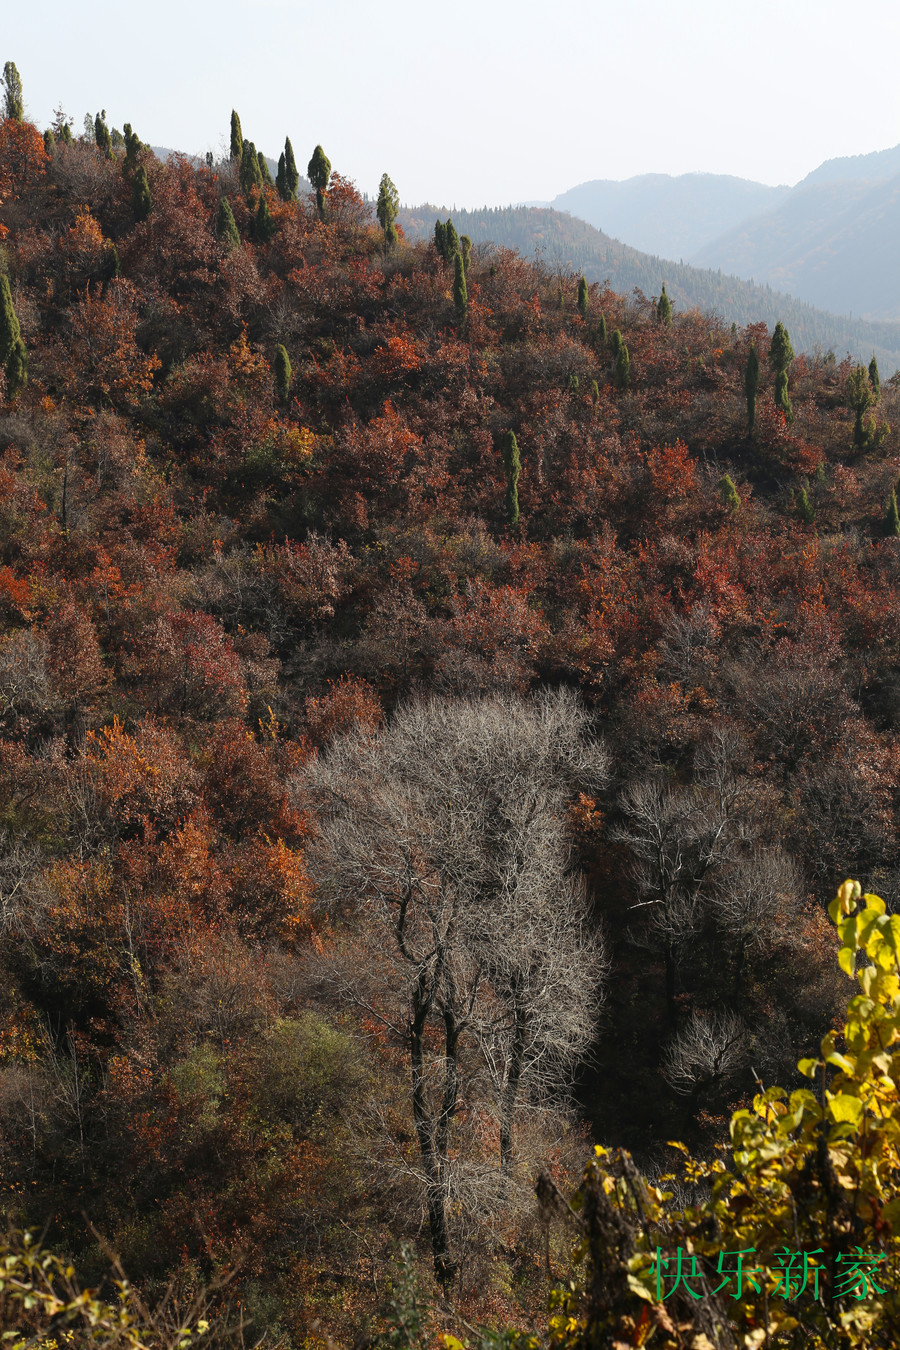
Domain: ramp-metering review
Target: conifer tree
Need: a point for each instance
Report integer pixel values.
(249, 175)
(13, 356)
(237, 137)
(282, 374)
(133, 148)
(141, 200)
(751, 384)
(440, 238)
(584, 299)
(460, 292)
(805, 509)
(664, 308)
(729, 493)
(386, 210)
(226, 228)
(513, 466)
(615, 342)
(452, 240)
(465, 248)
(875, 378)
(318, 171)
(264, 171)
(595, 392)
(573, 383)
(892, 517)
(860, 397)
(13, 103)
(50, 143)
(101, 134)
(622, 368)
(287, 179)
(65, 134)
(602, 330)
(781, 354)
(263, 225)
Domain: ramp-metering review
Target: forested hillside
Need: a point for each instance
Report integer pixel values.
(564, 243)
(438, 697)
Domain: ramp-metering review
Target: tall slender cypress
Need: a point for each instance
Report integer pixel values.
(249, 175)
(318, 171)
(386, 210)
(664, 308)
(287, 179)
(622, 368)
(282, 374)
(141, 200)
(237, 137)
(584, 298)
(264, 171)
(226, 227)
(13, 356)
(13, 102)
(460, 291)
(781, 354)
(875, 378)
(101, 134)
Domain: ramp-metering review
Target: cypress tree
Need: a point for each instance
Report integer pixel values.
(729, 493)
(264, 170)
(452, 238)
(226, 228)
(141, 200)
(465, 248)
(595, 392)
(237, 137)
(318, 171)
(13, 103)
(460, 293)
(751, 384)
(622, 369)
(602, 330)
(805, 509)
(513, 467)
(860, 398)
(13, 356)
(50, 143)
(133, 148)
(101, 134)
(664, 308)
(263, 225)
(249, 175)
(781, 354)
(584, 299)
(282, 374)
(440, 238)
(287, 178)
(892, 516)
(573, 384)
(65, 134)
(615, 342)
(875, 378)
(386, 210)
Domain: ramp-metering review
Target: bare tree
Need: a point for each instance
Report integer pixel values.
(752, 901)
(442, 838)
(707, 1050)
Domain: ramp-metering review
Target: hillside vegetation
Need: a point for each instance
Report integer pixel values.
(437, 695)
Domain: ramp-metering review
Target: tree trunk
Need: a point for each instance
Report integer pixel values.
(511, 1090)
(431, 1135)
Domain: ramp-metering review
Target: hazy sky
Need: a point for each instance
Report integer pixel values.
(470, 102)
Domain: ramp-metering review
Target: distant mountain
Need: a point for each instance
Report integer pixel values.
(832, 242)
(574, 246)
(673, 217)
(869, 168)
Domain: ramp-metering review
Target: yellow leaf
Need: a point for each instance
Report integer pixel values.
(845, 1109)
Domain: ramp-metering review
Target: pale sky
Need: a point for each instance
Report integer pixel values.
(473, 102)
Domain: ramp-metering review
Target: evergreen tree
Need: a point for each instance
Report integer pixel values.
(237, 137)
(287, 178)
(781, 354)
(386, 210)
(875, 378)
(805, 509)
(572, 384)
(226, 228)
(50, 143)
(440, 238)
(13, 357)
(133, 148)
(584, 299)
(13, 104)
(513, 466)
(65, 134)
(465, 248)
(664, 308)
(622, 368)
(249, 175)
(451, 245)
(101, 134)
(595, 392)
(892, 517)
(141, 200)
(16, 368)
(282, 374)
(265, 172)
(264, 225)
(460, 293)
(860, 398)
(602, 330)
(729, 493)
(615, 342)
(751, 384)
(318, 171)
